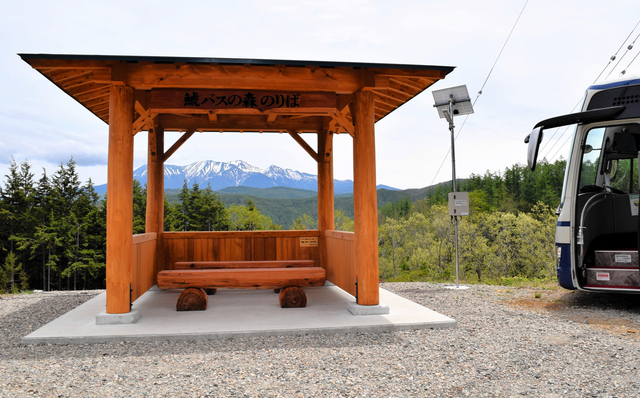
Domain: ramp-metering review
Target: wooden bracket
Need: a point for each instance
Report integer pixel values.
(303, 144)
(178, 144)
(145, 121)
(342, 120)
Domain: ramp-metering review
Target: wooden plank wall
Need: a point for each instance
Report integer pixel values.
(340, 260)
(237, 246)
(143, 274)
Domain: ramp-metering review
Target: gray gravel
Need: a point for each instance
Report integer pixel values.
(508, 343)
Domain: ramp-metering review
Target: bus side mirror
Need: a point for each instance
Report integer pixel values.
(534, 139)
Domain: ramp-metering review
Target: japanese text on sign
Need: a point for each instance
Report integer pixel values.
(248, 100)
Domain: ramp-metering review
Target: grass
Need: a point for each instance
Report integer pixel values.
(17, 292)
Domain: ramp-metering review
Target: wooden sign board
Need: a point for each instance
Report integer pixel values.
(309, 242)
(240, 101)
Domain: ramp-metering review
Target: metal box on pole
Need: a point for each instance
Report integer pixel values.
(458, 203)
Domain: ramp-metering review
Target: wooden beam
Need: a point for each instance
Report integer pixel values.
(100, 107)
(365, 200)
(425, 73)
(90, 88)
(384, 106)
(409, 82)
(91, 104)
(342, 120)
(390, 97)
(240, 101)
(272, 117)
(243, 264)
(304, 145)
(120, 200)
(257, 278)
(258, 77)
(326, 216)
(102, 93)
(60, 76)
(155, 192)
(239, 122)
(343, 101)
(401, 85)
(213, 116)
(178, 144)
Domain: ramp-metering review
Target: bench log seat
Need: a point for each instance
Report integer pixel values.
(290, 280)
(243, 264)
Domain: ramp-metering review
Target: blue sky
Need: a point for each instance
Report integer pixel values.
(555, 52)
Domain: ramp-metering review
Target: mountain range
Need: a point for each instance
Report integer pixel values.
(220, 175)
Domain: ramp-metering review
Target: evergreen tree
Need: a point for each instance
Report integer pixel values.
(139, 207)
(8, 273)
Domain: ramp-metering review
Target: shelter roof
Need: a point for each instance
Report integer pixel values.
(211, 94)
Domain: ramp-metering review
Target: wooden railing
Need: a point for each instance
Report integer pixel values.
(340, 256)
(143, 266)
(239, 246)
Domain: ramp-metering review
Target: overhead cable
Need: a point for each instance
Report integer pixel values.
(634, 58)
(482, 88)
(614, 56)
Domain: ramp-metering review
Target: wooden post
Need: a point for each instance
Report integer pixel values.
(326, 218)
(365, 199)
(120, 200)
(155, 193)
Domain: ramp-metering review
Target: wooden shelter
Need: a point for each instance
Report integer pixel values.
(158, 94)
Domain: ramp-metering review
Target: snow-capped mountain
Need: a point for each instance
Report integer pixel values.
(236, 173)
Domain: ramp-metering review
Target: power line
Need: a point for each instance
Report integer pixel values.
(625, 69)
(562, 146)
(558, 129)
(613, 57)
(482, 88)
(634, 58)
(628, 48)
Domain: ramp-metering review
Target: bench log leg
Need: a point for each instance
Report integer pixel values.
(192, 299)
(292, 297)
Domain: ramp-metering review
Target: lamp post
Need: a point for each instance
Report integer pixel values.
(453, 102)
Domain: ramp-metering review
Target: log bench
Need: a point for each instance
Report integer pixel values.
(243, 264)
(244, 275)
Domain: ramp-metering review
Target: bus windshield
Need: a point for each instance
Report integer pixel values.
(610, 158)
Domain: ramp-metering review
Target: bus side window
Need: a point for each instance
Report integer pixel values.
(590, 159)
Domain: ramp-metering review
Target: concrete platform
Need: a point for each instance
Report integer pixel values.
(236, 313)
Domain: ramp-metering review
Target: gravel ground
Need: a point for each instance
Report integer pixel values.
(508, 343)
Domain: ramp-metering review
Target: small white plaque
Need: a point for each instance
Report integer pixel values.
(602, 276)
(623, 258)
(309, 242)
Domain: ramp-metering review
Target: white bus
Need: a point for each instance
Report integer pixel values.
(597, 231)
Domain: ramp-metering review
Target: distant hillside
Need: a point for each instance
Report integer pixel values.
(238, 173)
(273, 193)
(284, 205)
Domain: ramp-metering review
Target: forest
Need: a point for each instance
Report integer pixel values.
(510, 232)
(53, 234)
